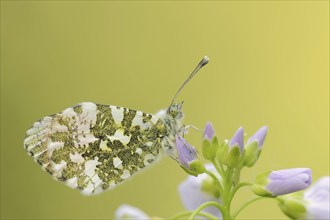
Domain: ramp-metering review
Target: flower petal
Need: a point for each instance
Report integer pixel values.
(186, 152)
(259, 136)
(318, 199)
(125, 212)
(289, 180)
(322, 186)
(318, 211)
(209, 131)
(238, 139)
(192, 195)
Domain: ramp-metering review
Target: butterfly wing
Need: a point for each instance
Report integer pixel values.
(94, 147)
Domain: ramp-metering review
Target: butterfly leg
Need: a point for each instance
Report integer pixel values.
(187, 127)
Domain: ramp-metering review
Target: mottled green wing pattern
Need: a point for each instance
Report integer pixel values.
(94, 147)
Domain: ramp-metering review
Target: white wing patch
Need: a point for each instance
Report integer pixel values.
(119, 135)
(76, 158)
(125, 174)
(117, 163)
(138, 120)
(117, 114)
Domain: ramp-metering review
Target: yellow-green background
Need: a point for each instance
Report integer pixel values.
(269, 65)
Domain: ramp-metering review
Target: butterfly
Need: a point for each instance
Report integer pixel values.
(94, 147)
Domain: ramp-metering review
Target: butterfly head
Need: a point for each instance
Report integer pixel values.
(175, 110)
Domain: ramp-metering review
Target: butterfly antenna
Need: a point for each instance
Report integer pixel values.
(202, 63)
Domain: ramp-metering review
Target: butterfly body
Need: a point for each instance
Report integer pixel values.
(95, 147)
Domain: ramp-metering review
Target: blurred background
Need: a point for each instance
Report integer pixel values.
(269, 65)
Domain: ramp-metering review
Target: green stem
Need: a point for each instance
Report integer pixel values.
(214, 177)
(222, 169)
(218, 168)
(226, 198)
(232, 194)
(184, 215)
(240, 185)
(203, 206)
(245, 205)
(236, 176)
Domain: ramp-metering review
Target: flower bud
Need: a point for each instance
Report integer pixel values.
(188, 157)
(293, 205)
(231, 153)
(254, 146)
(281, 182)
(209, 131)
(210, 143)
(314, 203)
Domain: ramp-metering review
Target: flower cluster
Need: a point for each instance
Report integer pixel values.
(209, 190)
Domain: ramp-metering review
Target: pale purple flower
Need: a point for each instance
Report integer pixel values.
(209, 131)
(238, 139)
(186, 152)
(125, 212)
(192, 195)
(259, 137)
(318, 199)
(289, 180)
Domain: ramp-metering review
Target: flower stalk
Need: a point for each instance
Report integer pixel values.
(210, 189)
(229, 158)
